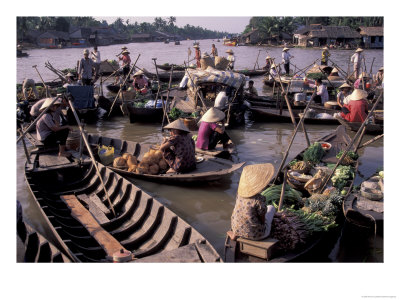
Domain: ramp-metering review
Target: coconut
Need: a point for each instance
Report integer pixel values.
(158, 155)
(163, 164)
(131, 160)
(120, 162)
(154, 169)
(126, 155)
(132, 168)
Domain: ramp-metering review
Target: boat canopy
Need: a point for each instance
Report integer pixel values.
(229, 78)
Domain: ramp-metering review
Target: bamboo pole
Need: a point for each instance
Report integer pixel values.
(229, 108)
(45, 86)
(371, 141)
(113, 73)
(164, 106)
(25, 149)
(370, 69)
(304, 69)
(197, 91)
(159, 83)
(256, 59)
(283, 191)
(126, 79)
(91, 156)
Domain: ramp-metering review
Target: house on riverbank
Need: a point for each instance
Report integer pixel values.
(372, 37)
(254, 37)
(52, 39)
(317, 35)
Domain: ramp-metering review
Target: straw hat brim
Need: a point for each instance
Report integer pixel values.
(358, 94)
(48, 102)
(334, 77)
(213, 115)
(140, 72)
(285, 49)
(196, 46)
(69, 75)
(325, 48)
(125, 52)
(345, 85)
(254, 179)
(177, 124)
(359, 50)
(380, 69)
(229, 51)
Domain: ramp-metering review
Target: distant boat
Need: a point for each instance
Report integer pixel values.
(218, 40)
(177, 42)
(166, 41)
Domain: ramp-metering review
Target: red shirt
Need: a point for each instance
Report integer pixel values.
(358, 111)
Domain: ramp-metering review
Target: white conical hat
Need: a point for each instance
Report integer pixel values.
(177, 124)
(229, 51)
(285, 49)
(345, 85)
(254, 179)
(359, 50)
(325, 48)
(213, 115)
(358, 94)
(48, 102)
(140, 72)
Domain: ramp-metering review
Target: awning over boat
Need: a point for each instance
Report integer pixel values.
(228, 78)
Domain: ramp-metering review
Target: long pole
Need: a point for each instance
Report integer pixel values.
(45, 86)
(359, 132)
(25, 149)
(229, 108)
(91, 156)
(126, 79)
(370, 69)
(304, 69)
(371, 141)
(159, 83)
(166, 102)
(256, 59)
(197, 90)
(283, 191)
(113, 73)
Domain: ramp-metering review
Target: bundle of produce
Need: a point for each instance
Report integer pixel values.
(350, 158)
(152, 163)
(175, 114)
(326, 205)
(314, 221)
(289, 229)
(300, 166)
(273, 194)
(342, 175)
(316, 76)
(314, 153)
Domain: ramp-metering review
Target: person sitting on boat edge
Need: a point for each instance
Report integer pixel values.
(362, 82)
(251, 90)
(273, 72)
(210, 132)
(251, 217)
(48, 129)
(322, 95)
(379, 77)
(341, 97)
(357, 107)
(29, 83)
(179, 150)
(221, 101)
(140, 83)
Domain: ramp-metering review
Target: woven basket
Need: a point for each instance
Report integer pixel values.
(221, 63)
(206, 62)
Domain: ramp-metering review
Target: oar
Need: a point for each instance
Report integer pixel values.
(126, 79)
(358, 134)
(371, 141)
(370, 69)
(35, 121)
(91, 155)
(159, 83)
(45, 86)
(166, 102)
(282, 191)
(229, 108)
(256, 59)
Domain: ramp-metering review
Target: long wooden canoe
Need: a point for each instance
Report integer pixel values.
(250, 73)
(373, 129)
(209, 169)
(144, 114)
(37, 247)
(164, 76)
(73, 202)
(319, 244)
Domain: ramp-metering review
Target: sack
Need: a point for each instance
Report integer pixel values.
(206, 62)
(221, 63)
(106, 154)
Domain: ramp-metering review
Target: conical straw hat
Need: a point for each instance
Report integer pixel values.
(124, 48)
(380, 69)
(229, 51)
(358, 94)
(345, 85)
(205, 54)
(125, 52)
(268, 57)
(86, 51)
(359, 50)
(140, 72)
(363, 75)
(334, 71)
(325, 48)
(48, 102)
(196, 46)
(285, 49)
(254, 179)
(213, 115)
(177, 124)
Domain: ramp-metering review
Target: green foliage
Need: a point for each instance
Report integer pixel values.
(175, 113)
(273, 194)
(316, 76)
(314, 153)
(350, 154)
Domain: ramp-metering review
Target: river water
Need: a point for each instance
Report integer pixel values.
(208, 206)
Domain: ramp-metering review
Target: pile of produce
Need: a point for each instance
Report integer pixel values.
(300, 166)
(342, 175)
(152, 163)
(314, 221)
(175, 114)
(140, 104)
(325, 205)
(316, 76)
(349, 159)
(273, 194)
(314, 153)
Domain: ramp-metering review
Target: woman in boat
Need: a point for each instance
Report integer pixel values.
(214, 51)
(379, 77)
(210, 132)
(48, 128)
(197, 55)
(251, 217)
(343, 94)
(362, 82)
(325, 55)
(126, 62)
(268, 62)
(178, 150)
(231, 59)
(140, 83)
(357, 107)
(322, 95)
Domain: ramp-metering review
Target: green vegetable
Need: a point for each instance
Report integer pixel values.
(316, 76)
(351, 154)
(293, 162)
(273, 194)
(314, 221)
(341, 176)
(343, 192)
(381, 174)
(314, 153)
(194, 137)
(175, 113)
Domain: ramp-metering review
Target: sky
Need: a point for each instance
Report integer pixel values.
(228, 24)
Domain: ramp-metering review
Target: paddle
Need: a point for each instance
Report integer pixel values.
(256, 60)
(371, 141)
(83, 134)
(166, 102)
(229, 109)
(120, 89)
(25, 149)
(45, 86)
(159, 82)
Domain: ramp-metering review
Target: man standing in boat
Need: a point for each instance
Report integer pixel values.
(214, 51)
(231, 59)
(96, 59)
(85, 71)
(325, 55)
(197, 55)
(322, 95)
(356, 60)
(286, 59)
(126, 62)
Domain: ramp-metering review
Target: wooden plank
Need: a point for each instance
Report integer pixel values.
(50, 160)
(105, 239)
(97, 201)
(264, 249)
(206, 252)
(185, 254)
(96, 212)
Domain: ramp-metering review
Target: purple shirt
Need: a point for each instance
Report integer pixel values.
(203, 136)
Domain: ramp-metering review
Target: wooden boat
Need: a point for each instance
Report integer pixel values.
(164, 76)
(318, 245)
(219, 150)
(177, 42)
(363, 212)
(37, 247)
(73, 202)
(373, 129)
(114, 88)
(21, 54)
(167, 67)
(144, 114)
(209, 169)
(257, 72)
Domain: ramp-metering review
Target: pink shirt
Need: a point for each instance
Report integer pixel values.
(126, 60)
(203, 136)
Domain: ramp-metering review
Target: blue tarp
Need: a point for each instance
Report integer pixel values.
(83, 96)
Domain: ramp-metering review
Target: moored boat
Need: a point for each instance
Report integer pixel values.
(250, 73)
(371, 128)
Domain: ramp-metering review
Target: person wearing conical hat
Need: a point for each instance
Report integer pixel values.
(214, 51)
(179, 150)
(231, 59)
(140, 83)
(48, 129)
(334, 75)
(251, 217)
(273, 71)
(322, 95)
(344, 92)
(85, 70)
(286, 59)
(268, 62)
(357, 107)
(325, 55)
(70, 80)
(362, 81)
(212, 130)
(197, 55)
(379, 77)
(27, 84)
(125, 61)
(357, 60)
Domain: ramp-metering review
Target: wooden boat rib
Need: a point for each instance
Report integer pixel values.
(142, 224)
(373, 129)
(210, 169)
(319, 243)
(37, 247)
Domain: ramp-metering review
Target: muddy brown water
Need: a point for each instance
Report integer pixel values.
(208, 206)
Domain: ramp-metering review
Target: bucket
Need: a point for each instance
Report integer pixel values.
(331, 104)
(190, 123)
(73, 139)
(299, 97)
